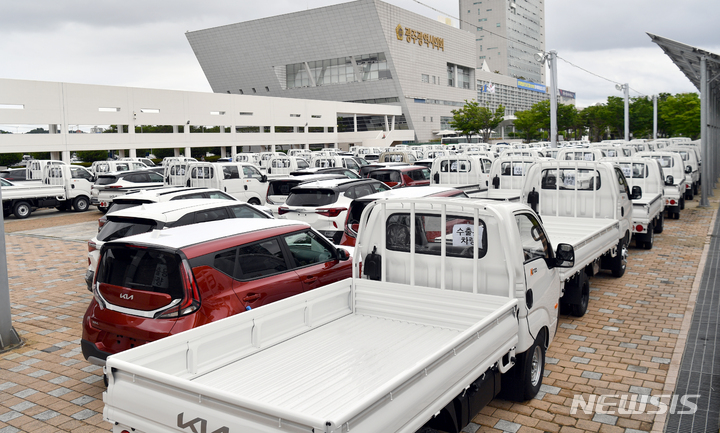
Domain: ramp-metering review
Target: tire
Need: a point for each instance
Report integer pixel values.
(649, 237)
(682, 204)
(579, 310)
(524, 380)
(618, 263)
(676, 215)
(659, 223)
(81, 204)
(254, 201)
(22, 210)
(102, 209)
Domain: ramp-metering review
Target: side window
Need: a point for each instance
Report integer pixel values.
(259, 260)
(220, 195)
(380, 187)
(154, 177)
(201, 173)
(352, 165)
(231, 172)
(307, 249)
(211, 215)
(122, 167)
(624, 188)
(251, 172)
(184, 220)
(188, 196)
(225, 262)
(534, 242)
(243, 211)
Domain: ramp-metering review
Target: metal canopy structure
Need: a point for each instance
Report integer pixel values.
(702, 68)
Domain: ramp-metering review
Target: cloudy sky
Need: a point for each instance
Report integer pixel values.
(142, 43)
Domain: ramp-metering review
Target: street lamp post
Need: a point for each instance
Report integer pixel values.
(551, 58)
(625, 88)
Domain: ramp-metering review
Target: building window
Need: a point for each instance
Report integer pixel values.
(431, 119)
(451, 75)
(433, 79)
(425, 78)
(339, 70)
(498, 25)
(423, 118)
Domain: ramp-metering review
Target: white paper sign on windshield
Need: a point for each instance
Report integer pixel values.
(518, 170)
(627, 171)
(588, 157)
(569, 179)
(464, 235)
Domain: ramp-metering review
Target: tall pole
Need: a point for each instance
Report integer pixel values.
(626, 89)
(654, 117)
(8, 336)
(552, 62)
(704, 131)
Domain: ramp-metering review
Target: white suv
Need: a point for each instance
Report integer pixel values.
(157, 216)
(162, 194)
(324, 204)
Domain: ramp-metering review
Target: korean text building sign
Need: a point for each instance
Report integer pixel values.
(420, 38)
(529, 85)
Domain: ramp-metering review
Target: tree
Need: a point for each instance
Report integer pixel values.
(10, 159)
(466, 119)
(682, 113)
(490, 120)
(594, 119)
(528, 123)
(641, 117)
(92, 155)
(615, 115)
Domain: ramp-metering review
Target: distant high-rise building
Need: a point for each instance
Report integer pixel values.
(508, 34)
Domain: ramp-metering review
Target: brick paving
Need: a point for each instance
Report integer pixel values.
(629, 343)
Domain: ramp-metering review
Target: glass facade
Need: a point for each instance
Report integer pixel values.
(363, 67)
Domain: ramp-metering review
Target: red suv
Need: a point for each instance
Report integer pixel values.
(398, 177)
(160, 283)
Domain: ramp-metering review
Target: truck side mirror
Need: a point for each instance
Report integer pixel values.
(436, 178)
(688, 169)
(263, 178)
(669, 180)
(636, 193)
(565, 256)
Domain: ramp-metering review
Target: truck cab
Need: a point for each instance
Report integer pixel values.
(243, 181)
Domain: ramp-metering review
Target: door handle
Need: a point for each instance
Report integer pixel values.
(245, 187)
(252, 297)
(309, 280)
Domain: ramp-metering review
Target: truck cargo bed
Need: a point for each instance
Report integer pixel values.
(322, 360)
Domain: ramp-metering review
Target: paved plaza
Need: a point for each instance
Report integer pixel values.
(629, 343)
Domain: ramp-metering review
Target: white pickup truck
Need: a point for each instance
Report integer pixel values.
(429, 334)
(62, 186)
(587, 205)
(469, 173)
(507, 177)
(673, 171)
(244, 181)
(648, 215)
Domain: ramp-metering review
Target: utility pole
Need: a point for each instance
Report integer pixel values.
(552, 63)
(626, 92)
(8, 336)
(655, 117)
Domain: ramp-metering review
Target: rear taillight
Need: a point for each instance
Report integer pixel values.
(283, 210)
(191, 298)
(101, 222)
(92, 246)
(331, 212)
(114, 187)
(639, 228)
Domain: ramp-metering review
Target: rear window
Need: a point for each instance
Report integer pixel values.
(141, 269)
(125, 205)
(385, 176)
(311, 197)
(458, 235)
(106, 180)
(423, 174)
(282, 187)
(117, 228)
(570, 178)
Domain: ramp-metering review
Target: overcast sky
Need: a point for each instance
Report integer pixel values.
(142, 43)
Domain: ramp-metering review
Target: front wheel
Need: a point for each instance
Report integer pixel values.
(619, 262)
(254, 201)
(22, 210)
(524, 380)
(81, 204)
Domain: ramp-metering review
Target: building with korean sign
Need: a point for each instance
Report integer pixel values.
(363, 51)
